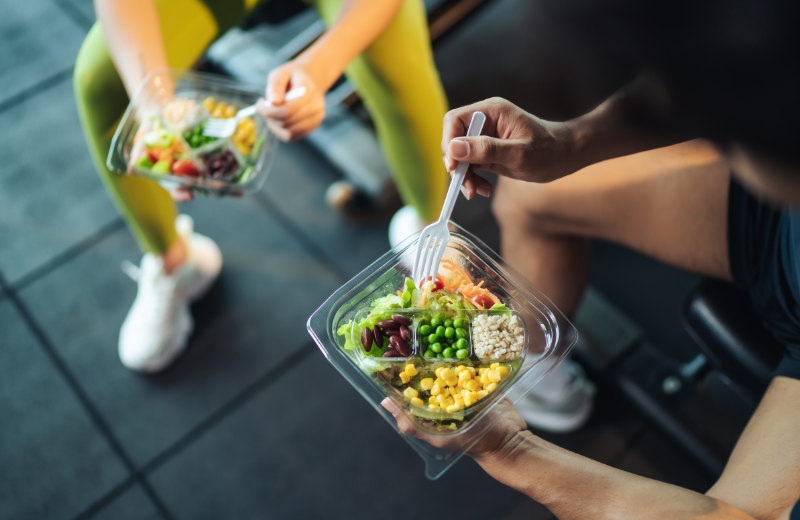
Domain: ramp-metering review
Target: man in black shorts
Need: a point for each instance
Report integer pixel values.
(696, 164)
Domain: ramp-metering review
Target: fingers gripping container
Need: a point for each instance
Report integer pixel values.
(541, 336)
(160, 135)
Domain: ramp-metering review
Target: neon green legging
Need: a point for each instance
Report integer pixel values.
(395, 77)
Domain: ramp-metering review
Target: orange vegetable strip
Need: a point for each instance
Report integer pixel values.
(400, 293)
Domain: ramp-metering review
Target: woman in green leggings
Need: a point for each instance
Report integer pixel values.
(383, 48)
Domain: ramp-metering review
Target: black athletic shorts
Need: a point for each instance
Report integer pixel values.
(764, 254)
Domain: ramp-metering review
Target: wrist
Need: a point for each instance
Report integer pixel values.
(321, 65)
(508, 461)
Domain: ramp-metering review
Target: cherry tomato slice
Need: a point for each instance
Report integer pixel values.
(482, 302)
(185, 167)
(437, 285)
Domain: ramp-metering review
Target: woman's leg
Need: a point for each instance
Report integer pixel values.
(177, 268)
(397, 79)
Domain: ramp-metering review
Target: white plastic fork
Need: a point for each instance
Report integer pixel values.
(433, 239)
(226, 127)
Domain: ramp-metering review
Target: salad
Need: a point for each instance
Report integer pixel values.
(441, 347)
(172, 142)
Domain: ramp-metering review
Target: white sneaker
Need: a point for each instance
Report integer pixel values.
(158, 325)
(404, 223)
(568, 412)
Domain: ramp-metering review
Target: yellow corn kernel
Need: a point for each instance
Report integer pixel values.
(471, 385)
(446, 391)
(495, 376)
(433, 407)
(438, 369)
(446, 373)
(436, 389)
(209, 103)
(230, 112)
(449, 401)
(481, 394)
(494, 365)
(465, 393)
(471, 371)
(451, 380)
(416, 401)
(439, 381)
(432, 400)
(442, 400)
(468, 400)
(426, 383)
(459, 369)
(453, 408)
(411, 370)
(464, 376)
(491, 387)
(503, 371)
(410, 392)
(485, 379)
(481, 371)
(404, 377)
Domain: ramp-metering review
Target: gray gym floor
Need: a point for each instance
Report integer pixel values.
(252, 422)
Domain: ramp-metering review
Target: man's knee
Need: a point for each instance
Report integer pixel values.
(522, 205)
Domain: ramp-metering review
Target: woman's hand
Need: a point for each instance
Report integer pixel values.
(515, 144)
(295, 119)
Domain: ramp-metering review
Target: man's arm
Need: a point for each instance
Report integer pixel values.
(761, 480)
(521, 146)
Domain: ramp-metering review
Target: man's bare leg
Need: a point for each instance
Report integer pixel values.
(670, 204)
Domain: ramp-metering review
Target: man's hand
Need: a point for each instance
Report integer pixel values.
(498, 442)
(515, 144)
(295, 119)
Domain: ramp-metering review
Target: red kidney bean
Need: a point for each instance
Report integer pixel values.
(392, 332)
(388, 324)
(402, 320)
(392, 353)
(366, 339)
(405, 333)
(400, 345)
(378, 336)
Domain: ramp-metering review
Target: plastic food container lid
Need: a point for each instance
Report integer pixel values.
(546, 338)
(159, 90)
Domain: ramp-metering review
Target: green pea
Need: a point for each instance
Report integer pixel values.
(425, 330)
(440, 331)
(462, 344)
(436, 321)
(450, 340)
(424, 339)
(448, 323)
(424, 321)
(449, 332)
(430, 353)
(461, 354)
(449, 352)
(461, 333)
(459, 323)
(440, 356)
(436, 347)
(433, 338)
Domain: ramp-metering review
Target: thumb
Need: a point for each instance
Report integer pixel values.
(481, 150)
(277, 84)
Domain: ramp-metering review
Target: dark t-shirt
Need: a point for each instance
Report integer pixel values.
(795, 512)
(764, 255)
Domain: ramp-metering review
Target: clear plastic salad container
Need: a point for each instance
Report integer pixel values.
(446, 353)
(160, 135)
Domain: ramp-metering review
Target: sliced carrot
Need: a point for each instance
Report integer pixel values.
(400, 293)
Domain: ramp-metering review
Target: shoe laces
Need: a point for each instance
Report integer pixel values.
(158, 294)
